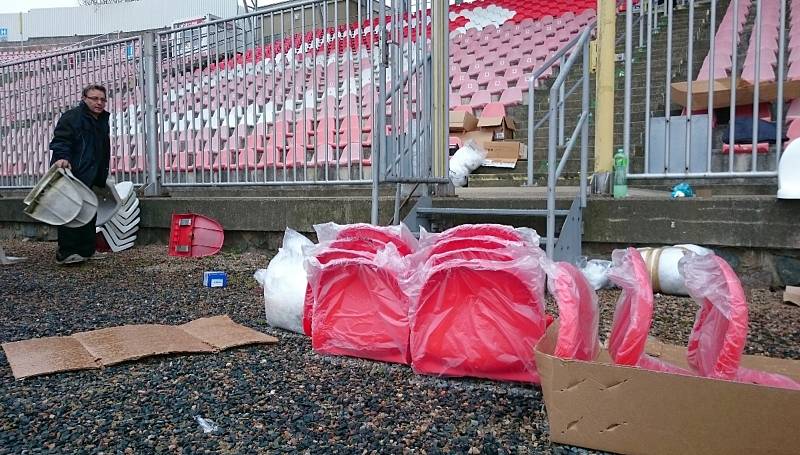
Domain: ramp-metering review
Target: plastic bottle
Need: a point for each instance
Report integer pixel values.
(620, 174)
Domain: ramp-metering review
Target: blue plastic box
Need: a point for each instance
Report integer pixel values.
(215, 279)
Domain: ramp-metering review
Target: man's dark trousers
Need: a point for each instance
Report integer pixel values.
(79, 240)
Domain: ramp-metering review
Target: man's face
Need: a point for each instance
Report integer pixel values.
(96, 100)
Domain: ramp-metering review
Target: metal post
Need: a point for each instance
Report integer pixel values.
(667, 91)
(756, 97)
(440, 41)
(690, 64)
(642, 6)
(379, 114)
(561, 105)
(151, 68)
(734, 45)
(604, 112)
(781, 66)
(647, 77)
(531, 123)
(585, 126)
(710, 109)
(626, 127)
(551, 173)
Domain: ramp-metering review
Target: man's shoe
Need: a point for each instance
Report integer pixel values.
(98, 256)
(71, 259)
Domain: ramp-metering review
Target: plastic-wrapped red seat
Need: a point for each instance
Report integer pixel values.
(351, 241)
(478, 318)
(323, 257)
(359, 310)
(399, 235)
(499, 231)
(633, 314)
(578, 314)
(720, 329)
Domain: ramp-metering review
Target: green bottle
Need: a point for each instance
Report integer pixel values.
(620, 174)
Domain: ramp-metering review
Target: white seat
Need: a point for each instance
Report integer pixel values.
(789, 172)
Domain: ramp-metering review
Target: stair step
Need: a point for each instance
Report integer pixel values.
(496, 212)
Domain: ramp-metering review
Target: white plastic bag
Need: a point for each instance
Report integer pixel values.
(284, 282)
(596, 273)
(468, 158)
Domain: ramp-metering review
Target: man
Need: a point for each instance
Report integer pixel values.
(81, 143)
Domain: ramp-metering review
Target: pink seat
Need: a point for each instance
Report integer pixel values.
(511, 96)
(480, 99)
(459, 79)
(494, 305)
(512, 74)
(353, 154)
(633, 314)
(463, 108)
(719, 334)
(485, 77)
(359, 311)
(494, 110)
(467, 90)
(578, 313)
(794, 109)
(497, 86)
(793, 132)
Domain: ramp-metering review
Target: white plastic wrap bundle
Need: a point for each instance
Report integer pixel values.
(465, 160)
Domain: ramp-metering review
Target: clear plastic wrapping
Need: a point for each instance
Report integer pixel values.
(578, 314)
(359, 308)
(477, 317)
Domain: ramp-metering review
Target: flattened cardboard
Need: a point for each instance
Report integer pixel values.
(792, 295)
(113, 345)
(130, 342)
(222, 333)
(502, 128)
(502, 154)
(39, 356)
(460, 121)
(631, 410)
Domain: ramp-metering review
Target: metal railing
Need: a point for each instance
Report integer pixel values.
(35, 92)
(310, 92)
(690, 115)
(565, 58)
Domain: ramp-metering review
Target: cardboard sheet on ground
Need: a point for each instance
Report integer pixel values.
(109, 346)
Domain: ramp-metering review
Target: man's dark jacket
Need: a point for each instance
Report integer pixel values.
(83, 141)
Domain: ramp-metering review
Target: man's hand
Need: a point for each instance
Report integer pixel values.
(64, 164)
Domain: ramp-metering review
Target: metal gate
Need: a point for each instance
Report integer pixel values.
(35, 92)
(311, 92)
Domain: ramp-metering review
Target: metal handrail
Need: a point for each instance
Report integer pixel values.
(557, 99)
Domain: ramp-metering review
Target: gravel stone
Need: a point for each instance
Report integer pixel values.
(277, 399)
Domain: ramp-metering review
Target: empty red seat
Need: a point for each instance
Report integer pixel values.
(497, 86)
(511, 96)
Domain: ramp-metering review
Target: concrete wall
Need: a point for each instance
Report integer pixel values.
(759, 236)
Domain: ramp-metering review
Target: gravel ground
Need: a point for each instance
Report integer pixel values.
(277, 399)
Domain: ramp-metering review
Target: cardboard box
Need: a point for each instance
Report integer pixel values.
(481, 137)
(722, 93)
(502, 128)
(792, 295)
(504, 154)
(768, 91)
(630, 410)
(460, 121)
(215, 279)
(745, 92)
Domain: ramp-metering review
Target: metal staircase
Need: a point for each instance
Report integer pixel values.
(564, 227)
